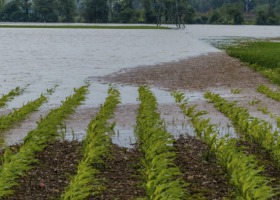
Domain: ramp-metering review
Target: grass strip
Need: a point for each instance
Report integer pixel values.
(6, 121)
(251, 128)
(96, 147)
(15, 165)
(262, 56)
(242, 170)
(162, 179)
(10, 96)
(269, 92)
(83, 26)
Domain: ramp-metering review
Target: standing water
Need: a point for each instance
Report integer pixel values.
(44, 58)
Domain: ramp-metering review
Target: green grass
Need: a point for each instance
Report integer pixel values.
(262, 56)
(81, 26)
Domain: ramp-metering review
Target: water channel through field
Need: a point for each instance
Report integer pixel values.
(43, 58)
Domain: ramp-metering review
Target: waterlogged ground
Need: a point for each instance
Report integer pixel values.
(65, 58)
(166, 60)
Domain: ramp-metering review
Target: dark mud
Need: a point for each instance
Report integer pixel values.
(121, 176)
(206, 178)
(121, 173)
(48, 179)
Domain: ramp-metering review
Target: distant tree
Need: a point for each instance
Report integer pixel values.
(267, 17)
(45, 11)
(127, 12)
(2, 2)
(151, 10)
(232, 13)
(66, 10)
(215, 18)
(26, 7)
(12, 12)
(187, 14)
(96, 11)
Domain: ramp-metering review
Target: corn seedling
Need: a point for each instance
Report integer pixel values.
(236, 91)
(161, 177)
(10, 96)
(251, 128)
(96, 147)
(242, 170)
(254, 102)
(15, 165)
(264, 110)
(269, 92)
(6, 121)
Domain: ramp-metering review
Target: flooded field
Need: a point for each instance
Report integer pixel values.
(199, 119)
(40, 59)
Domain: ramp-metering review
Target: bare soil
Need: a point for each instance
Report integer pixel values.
(198, 73)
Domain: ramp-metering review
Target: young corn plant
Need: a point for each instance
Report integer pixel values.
(251, 128)
(242, 170)
(10, 96)
(6, 121)
(269, 92)
(236, 91)
(161, 177)
(15, 165)
(96, 147)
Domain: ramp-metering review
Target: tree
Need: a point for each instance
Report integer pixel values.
(215, 18)
(12, 12)
(26, 6)
(151, 10)
(66, 10)
(45, 11)
(231, 13)
(96, 11)
(267, 17)
(127, 12)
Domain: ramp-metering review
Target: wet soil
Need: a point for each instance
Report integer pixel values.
(48, 179)
(200, 170)
(121, 175)
(264, 159)
(197, 73)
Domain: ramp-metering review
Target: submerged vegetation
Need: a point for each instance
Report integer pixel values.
(10, 96)
(6, 121)
(269, 92)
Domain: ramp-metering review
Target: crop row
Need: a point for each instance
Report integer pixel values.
(6, 121)
(96, 147)
(242, 170)
(251, 128)
(161, 177)
(14, 165)
(269, 92)
(10, 96)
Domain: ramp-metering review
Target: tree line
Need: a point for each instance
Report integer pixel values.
(142, 11)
